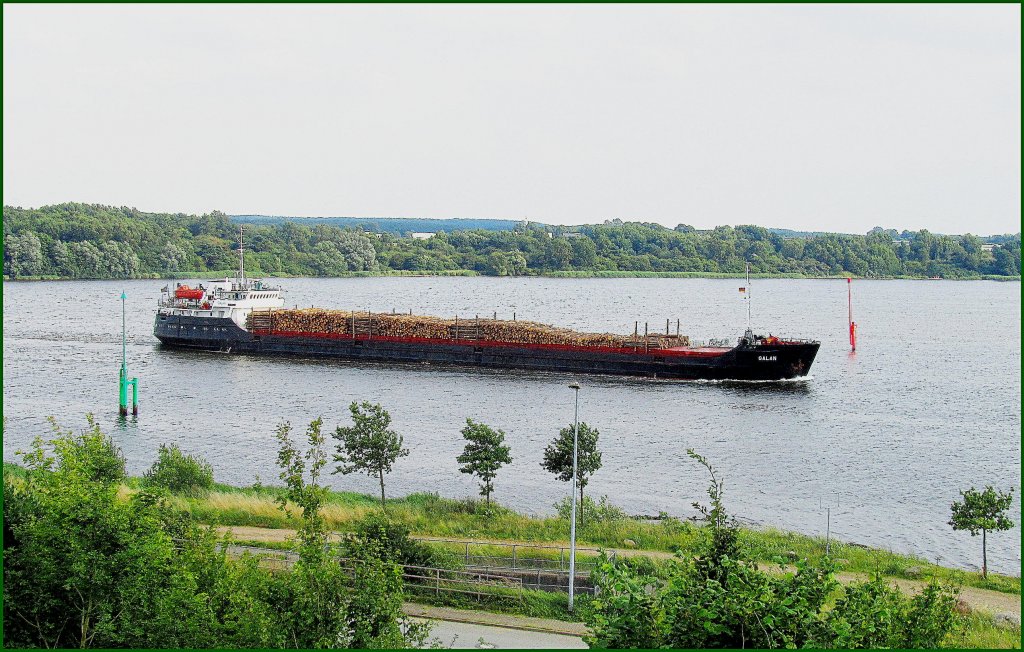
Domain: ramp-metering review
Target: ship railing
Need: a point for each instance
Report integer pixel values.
(180, 303)
(791, 340)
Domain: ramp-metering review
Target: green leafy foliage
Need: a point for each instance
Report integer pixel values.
(723, 544)
(87, 569)
(351, 597)
(720, 598)
(392, 537)
(591, 511)
(984, 512)
(85, 566)
(93, 241)
(90, 454)
(190, 475)
(484, 454)
(309, 495)
(558, 455)
(369, 446)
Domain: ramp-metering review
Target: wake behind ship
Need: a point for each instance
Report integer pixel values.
(240, 315)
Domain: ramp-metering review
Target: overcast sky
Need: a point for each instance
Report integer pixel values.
(834, 118)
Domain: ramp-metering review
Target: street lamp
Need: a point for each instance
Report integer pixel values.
(572, 522)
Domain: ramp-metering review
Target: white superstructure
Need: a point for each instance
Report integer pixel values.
(230, 298)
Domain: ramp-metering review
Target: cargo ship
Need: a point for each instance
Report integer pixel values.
(240, 315)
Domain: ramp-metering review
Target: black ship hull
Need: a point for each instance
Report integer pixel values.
(765, 362)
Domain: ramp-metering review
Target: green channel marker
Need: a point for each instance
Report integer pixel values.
(125, 381)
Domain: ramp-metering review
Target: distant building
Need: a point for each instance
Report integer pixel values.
(988, 246)
(422, 236)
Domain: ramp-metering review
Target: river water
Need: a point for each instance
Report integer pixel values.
(929, 404)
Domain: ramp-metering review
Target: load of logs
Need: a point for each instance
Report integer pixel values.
(366, 324)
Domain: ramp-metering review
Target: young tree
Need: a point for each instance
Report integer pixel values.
(723, 542)
(485, 453)
(982, 511)
(558, 455)
(353, 602)
(308, 495)
(369, 446)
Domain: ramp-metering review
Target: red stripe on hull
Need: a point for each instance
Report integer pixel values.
(677, 353)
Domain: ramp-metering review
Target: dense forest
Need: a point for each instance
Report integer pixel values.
(93, 241)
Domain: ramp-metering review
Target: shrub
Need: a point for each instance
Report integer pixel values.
(393, 538)
(179, 473)
(592, 512)
(90, 453)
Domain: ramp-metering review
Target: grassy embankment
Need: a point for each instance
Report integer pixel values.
(434, 516)
(430, 515)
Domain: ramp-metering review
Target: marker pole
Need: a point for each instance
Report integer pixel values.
(853, 324)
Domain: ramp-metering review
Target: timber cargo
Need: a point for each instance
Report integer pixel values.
(321, 322)
(240, 315)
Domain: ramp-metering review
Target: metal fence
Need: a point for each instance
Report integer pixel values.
(436, 580)
(420, 578)
(519, 556)
(492, 575)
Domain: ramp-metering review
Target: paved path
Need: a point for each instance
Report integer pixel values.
(992, 602)
(526, 623)
(463, 636)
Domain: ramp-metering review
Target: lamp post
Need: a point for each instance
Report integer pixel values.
(572, 521)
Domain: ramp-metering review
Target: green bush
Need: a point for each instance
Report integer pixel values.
(589, 511)
(393, 537)
(179, 473)
(90, 453)
(721, 599)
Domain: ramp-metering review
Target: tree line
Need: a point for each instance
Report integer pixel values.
(94, 241)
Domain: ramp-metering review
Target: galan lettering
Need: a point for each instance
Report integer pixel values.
(768, 358)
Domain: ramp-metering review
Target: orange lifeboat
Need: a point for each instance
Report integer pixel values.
(185, 292)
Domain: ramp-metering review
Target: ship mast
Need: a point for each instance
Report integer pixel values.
(748, 296)
(241, 257)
